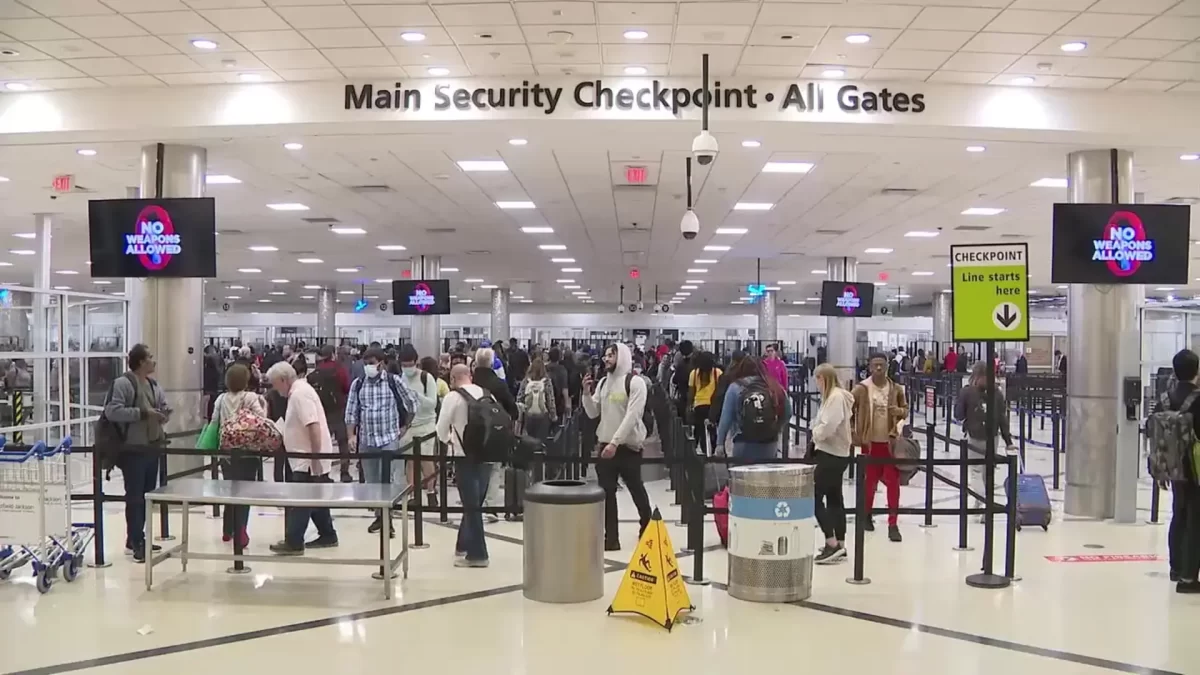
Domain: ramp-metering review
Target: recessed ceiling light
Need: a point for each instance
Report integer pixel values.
(798, 302)
(787, 167)
(391, 247)
(250, 77)
(704, 261)
(572, 270)
(635, 70)
(572, 287)
(1050, 182)
(552, 247)
(858, 38)
(102, 282)
(249, 270)
(753, 206)
(345, 292)
(877, 250)
(818, 272)
(717, 249)
(731, 230)
(347, 230)
(16, 86)
(412, 36)
(67, 272)
(562, 261)
(279, 281)
(636, 34)
(564, 281)
(881, 283)
(982, 211)
(518, 141)
(833, 73)
(538, 230)
(233, 297)
(738, 302)
(694, 281)
(489, 287)
(921, 234)
(526, 302)
(310, 261)
(786, 283)
(439, 72)
(1165, 288)
(220, 179)
(922, 273)
(22, 251)
(347, 270)
(482, 165)
(276, 293)
(86, 152)
(1189, 157)
(698, 270)
(1064, 286)
(751, 144)
(263, 249)
(287, 206)
(688, 287)
(293, 146)
(237, 287)
(903, 295)
(975, 148)
(1022, 81)
(579, 293)
(1073, 46)
(204, 44)
(263, 300)
(25, 235)
(446, 270)
(383, 281)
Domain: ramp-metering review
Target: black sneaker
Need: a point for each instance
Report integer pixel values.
(1188, 587)
(284, 548)
(1174, 576)
(129, 548)
(431, 500)
(346, 477)
(830, 555)
(323, 542)
(894, 533)
(612, 546)
(869, 526)
(376, 526)
(139, 554)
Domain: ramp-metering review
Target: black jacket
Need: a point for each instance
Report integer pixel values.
(491, 382)
(718, 399)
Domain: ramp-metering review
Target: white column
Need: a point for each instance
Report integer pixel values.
(841, 331)
(499, 327)
(943, 325)
(1102, 332)
(133, 296)
(327, 315)
(427, 330)
(768, 324)
(46, 319)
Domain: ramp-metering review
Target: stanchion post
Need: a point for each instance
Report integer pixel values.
(860, 522)
(164, 526)
(988, 578)
(1021, 424)
(1154, 498)
(418, 510)
(695, 532)
(1055, 425)
(1010, 530)
(213, 473)
(98, 509)
(443, 488)
(963, 479)
(929, 469)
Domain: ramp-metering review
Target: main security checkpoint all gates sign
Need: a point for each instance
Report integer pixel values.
(991, 292)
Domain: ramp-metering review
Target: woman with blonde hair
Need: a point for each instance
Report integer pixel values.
(831, 437)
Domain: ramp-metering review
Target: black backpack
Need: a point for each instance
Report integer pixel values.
(325, 383)
(488, 435)
(109, 435)
(761, 418)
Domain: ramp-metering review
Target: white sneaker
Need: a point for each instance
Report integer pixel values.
(463, 562)
(491, 518)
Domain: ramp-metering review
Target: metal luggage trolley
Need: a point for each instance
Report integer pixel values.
(35, 513)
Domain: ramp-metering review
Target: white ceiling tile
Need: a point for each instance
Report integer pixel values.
(229, 4)
(912, 59)
(635, 54)
(130, 6)
(872, 15)
(294, 3)
(381, 72)
(1131, 48)
(294, 59)
(1169, 70)
(776, 56)
(11, 9)
(780, 72)
(183, 43)
(167, 63)
(1070, 82)
(136, 46)
(434, 35)
(1029, 21)
(881, 38)
(496, 58)
(656, 34)
(35, 29)
(105, 66)
(1186, 87)
(396, 15)
(954, 18)
(323, 38)
(33, 70)
(938, 40)
(229, 61)
(331, 16)
(1042, 65)
(1162, 28)
(166, 23)
(182, 79)
(70, 49)
(971, 62)
(1052, 46)
(537, 13)
(310, 75)
(898, 75)
(1138, 6)
(565, 54)
(261, 18)
(552, 34)
(716, 35)
(579, 69)
(785, 36)
(1107, 25)
(112, 25)
(69, 83)
(961, 78)
(1143, 85)
(473, 15)
(362, 56)
(1189, 52)
(256, 40)
(505, 69)
(685, 59)
(1185, 8)
(24, 52)
(131, 81)
(817, 72)
(863, 57)
(1040, 82)
(1106, 67)
(1003, 43)
(635, 14)
(708, 13)
(1062, 5)
(421, 55)
(57, 8)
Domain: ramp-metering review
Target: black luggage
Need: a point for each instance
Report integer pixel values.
(515, 482)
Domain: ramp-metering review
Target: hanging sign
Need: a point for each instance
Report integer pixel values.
(991, 292)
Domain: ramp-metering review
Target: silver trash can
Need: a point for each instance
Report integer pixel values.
(771, 532)
(564, 541)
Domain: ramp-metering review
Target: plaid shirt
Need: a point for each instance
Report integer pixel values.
(372, 408)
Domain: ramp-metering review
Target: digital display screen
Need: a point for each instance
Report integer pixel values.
(153, 237)
(420, 298)
(1120, 244)
(846, 298)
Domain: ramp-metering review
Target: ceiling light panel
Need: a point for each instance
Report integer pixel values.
(483, 165)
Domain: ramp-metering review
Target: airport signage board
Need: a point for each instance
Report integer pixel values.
(991, 292)
(1120, 244)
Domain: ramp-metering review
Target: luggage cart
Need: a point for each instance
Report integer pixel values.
(35, 510)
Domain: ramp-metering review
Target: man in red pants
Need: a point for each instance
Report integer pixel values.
(879, 406)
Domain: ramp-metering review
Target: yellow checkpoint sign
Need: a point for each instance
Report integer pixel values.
(991, 292)
(652, 585)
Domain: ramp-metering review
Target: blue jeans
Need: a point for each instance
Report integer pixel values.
(473, 478)
(747, 450)
(296, 519)
(373, 468)
(140, 472)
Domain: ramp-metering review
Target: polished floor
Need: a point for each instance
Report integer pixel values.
(917, 615)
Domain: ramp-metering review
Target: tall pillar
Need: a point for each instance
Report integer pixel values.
(943, 325)
(768, 323)
(327, 314)
(1101, 325)
(500, 329)
(427, 330)
(169, 313)
(47, 317)
(841, 332)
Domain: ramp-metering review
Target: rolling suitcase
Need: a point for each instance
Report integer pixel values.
(1033, 500)
(515, 482)
(721, 501)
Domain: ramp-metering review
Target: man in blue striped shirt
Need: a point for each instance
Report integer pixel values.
(373, 420)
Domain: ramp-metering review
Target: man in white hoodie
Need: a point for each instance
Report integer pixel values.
(619, 401)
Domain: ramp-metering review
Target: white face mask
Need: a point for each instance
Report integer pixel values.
(370, 370)
(310, 358)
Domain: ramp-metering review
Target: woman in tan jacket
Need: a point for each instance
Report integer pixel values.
(879, 405)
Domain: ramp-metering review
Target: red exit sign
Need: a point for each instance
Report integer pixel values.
(63, 183)
(635, 175)
(635, 273)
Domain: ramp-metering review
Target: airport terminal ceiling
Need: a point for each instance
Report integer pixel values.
(495, 192)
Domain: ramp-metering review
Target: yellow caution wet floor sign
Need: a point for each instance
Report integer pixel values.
(653, 586)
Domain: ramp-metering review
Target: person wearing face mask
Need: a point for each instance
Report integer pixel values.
(378, 411)
(424, 420)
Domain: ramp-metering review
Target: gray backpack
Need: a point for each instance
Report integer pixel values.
(1172, 435)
